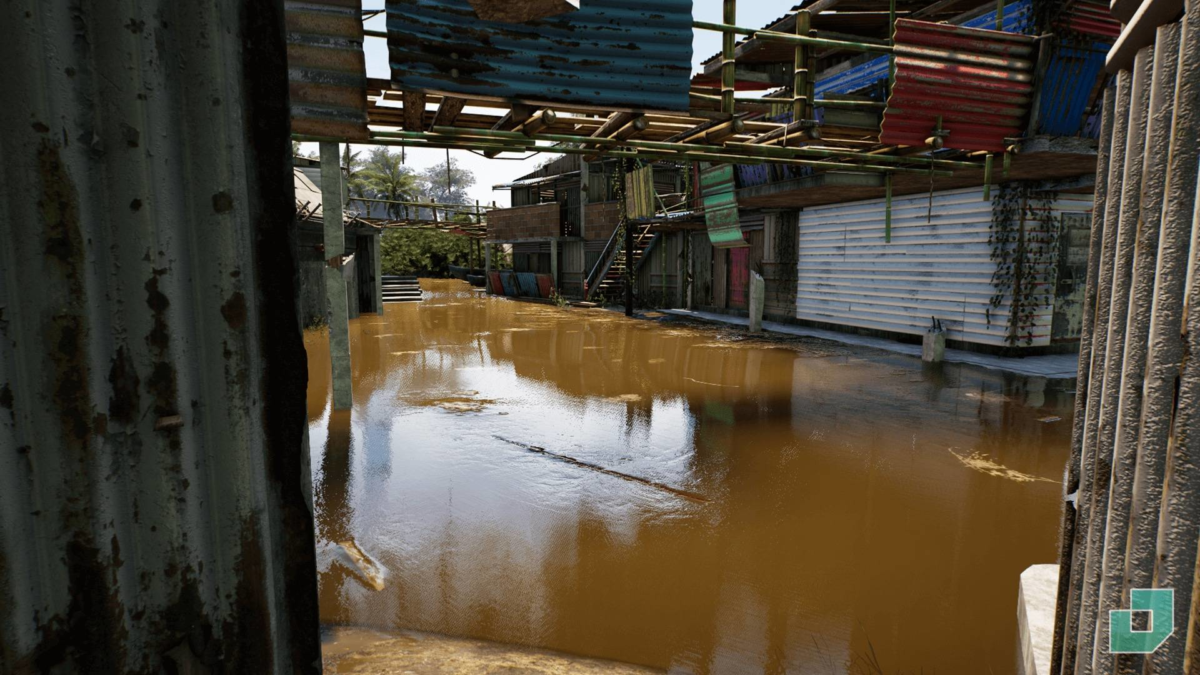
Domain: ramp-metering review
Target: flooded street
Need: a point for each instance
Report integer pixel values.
(670, 496)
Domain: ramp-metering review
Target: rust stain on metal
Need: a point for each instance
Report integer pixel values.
(234, 311)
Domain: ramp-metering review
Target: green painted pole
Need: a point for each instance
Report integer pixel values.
(987, 178)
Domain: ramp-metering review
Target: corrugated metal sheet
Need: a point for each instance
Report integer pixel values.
(1018, 18)
(610, 53)
(978, 82)
(155, 493)
(658, 276)
(938, 264)
(720, 206)
(1070, 90)
(327, 72)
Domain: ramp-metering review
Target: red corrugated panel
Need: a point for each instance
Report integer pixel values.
(1093, 19)
(978, 81)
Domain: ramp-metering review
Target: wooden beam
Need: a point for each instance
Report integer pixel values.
(936, 7)
(516, 116)
(414, 111)
(447, 112)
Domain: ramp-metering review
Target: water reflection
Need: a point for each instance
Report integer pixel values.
(840, 517)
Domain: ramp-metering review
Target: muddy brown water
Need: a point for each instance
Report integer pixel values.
(675, 496)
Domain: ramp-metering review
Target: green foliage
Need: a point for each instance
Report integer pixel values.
(445, 189)
(1024, 237)
(354, 164)
(384, 176)
(428, 251)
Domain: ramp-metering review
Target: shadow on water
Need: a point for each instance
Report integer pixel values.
(836, 524)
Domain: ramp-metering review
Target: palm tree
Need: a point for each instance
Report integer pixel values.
(353, 163)
(386, 177)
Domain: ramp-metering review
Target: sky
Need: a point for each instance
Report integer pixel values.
(489, 172)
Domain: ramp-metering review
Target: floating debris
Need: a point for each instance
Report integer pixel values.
(458, 402)
(1051, 418)
(625, 398)
(984, 464)
(713, 384)
(363, 566)
(594, 467)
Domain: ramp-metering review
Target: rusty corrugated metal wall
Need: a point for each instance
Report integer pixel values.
(1134, 472)
(155, 508)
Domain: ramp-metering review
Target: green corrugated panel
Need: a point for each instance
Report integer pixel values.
(720, 206)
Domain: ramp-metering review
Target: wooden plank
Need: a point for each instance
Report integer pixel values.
(414, 111)
(448, 111)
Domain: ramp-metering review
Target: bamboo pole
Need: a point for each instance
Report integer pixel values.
(772, 36)
(752, 149)
(728, 64)
(801, 108)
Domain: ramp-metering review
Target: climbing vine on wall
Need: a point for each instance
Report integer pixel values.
(1024, 239)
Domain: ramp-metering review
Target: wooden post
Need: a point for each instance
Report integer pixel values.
(628, 267)
(335, 282)
(554, 263)
(584, 180)
(487, 267)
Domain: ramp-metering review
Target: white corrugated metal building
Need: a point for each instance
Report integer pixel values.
(937, 264)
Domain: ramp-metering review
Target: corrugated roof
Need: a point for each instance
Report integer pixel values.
(327, 72)
(978, 82)
(620, 54)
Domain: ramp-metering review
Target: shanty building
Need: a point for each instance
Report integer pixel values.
(998, 266)
(359, 262)
(566, 237)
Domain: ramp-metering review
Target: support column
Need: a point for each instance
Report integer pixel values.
(583, 195)
(377, 258)
(335, 284)
(487, 267)
(554, 263)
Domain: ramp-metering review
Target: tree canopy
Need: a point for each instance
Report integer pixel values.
(384, 176)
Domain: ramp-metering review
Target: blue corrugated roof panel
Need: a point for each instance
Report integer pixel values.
(611, 53)
(1071, 78)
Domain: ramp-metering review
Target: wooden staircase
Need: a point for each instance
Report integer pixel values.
(607, 278)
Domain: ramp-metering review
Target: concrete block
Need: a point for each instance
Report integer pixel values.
(520, 11)
(1036, 597)
(933, 349)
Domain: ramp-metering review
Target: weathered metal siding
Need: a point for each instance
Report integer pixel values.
(938, 264)
(701, 261)
(609, 53)
(571, 268)
(327, 70)
(1134, 472)
(658, 277)
(720, 277)
(779, 263)
(155, 499)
